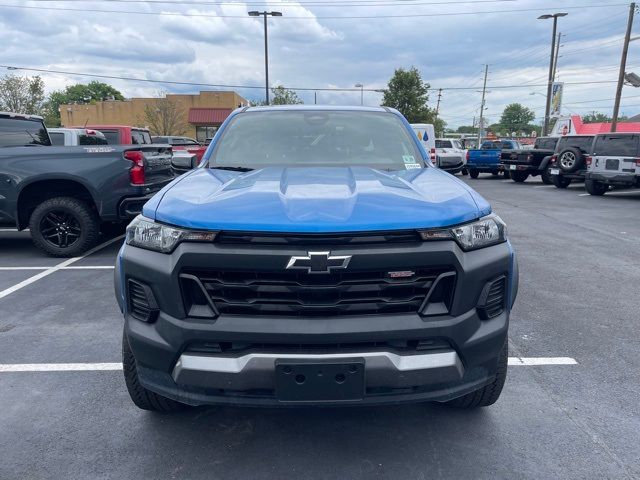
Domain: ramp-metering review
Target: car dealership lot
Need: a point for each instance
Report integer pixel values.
(578, 307)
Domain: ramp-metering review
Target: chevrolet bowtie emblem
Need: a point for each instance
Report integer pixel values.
(319, 262)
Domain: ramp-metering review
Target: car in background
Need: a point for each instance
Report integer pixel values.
(122, 134)
(182, 143)
(450, 155)
(614, 162)
(427, 136)
(535, 162)
(568, 163)
(67, 195)
(71, 137)
(488, 158)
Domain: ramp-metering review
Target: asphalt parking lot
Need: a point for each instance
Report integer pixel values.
(578, 418)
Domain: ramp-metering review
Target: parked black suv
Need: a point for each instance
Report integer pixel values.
(569, 160)
(532, 162)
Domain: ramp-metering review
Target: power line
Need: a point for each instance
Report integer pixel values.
(313, 3)
(309, 17)
(213, 85)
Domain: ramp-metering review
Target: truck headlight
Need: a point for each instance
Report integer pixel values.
(485, 232)
(145, 233)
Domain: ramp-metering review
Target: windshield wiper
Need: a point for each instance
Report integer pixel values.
(232, 168)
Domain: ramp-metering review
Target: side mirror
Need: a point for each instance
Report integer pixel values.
(182, 160)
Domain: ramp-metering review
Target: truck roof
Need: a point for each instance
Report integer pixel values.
(23, 116)
(326, 108)
(97, 126)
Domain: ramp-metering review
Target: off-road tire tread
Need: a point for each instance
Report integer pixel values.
(143, 398)
(489, 394)
(89, 223)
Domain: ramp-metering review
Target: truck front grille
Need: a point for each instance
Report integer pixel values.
(292, 293)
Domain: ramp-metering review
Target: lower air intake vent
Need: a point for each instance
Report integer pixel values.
(142, 304)
(492, 298)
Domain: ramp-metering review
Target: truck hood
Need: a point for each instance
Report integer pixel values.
(316, 200)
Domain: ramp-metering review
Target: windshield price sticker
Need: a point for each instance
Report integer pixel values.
(408, 159)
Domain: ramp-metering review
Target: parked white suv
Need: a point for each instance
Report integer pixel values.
(72, 137)
(451, 156)
(615, 161)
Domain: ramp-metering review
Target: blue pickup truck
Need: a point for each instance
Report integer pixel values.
(487, 159)
(324, 261)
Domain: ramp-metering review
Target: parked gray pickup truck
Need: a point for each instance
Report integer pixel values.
(66, 195)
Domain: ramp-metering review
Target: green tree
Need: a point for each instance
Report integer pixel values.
(22, 94)
(596, 117)
(516, 118)
(408, 93)
(281, 96)
(467, 129)
(164, 117)
(79, 93)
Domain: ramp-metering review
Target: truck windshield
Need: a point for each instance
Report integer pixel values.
(316, 138)
(15, 132)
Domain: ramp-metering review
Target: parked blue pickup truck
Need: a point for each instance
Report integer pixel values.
(487, 158)
(326, 261)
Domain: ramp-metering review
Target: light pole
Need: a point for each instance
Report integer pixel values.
(361, 87)
(256, 13)
(551, 63)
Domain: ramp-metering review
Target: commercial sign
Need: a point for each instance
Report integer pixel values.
(556, 99)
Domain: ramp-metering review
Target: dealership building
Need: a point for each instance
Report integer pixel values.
(201, 113)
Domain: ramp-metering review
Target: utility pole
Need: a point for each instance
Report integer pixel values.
(552, 61)
(555, 61)
(437, 109)
(266, 47)
(484, 90)
(623, 64)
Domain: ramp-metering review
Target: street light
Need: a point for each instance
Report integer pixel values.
(551, 62)
(361, 87)
(256, 13)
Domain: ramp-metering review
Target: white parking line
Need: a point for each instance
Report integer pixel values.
(55, 268)
(89, 367)
(584, 194)
(535, 361)
(74, 267)
(545, 186)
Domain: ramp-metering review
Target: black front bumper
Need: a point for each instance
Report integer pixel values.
(461, 350)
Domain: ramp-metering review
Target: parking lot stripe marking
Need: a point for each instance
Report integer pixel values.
(55, 268)
(22, 268)
(89, 367)
(58, 367)
(545, 186)
(534, 361)
(622, 192)
(74, 267)
(89, 267)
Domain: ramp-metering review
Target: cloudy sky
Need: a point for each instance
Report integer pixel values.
(328, 44)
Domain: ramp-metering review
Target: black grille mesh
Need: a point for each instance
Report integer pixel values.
(297, 293)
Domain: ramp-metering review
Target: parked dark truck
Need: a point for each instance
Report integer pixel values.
(65, 195)
(325, 261)
(524, 163)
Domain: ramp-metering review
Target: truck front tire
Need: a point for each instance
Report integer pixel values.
(64, 227)
(489, 394)
(143, 398)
